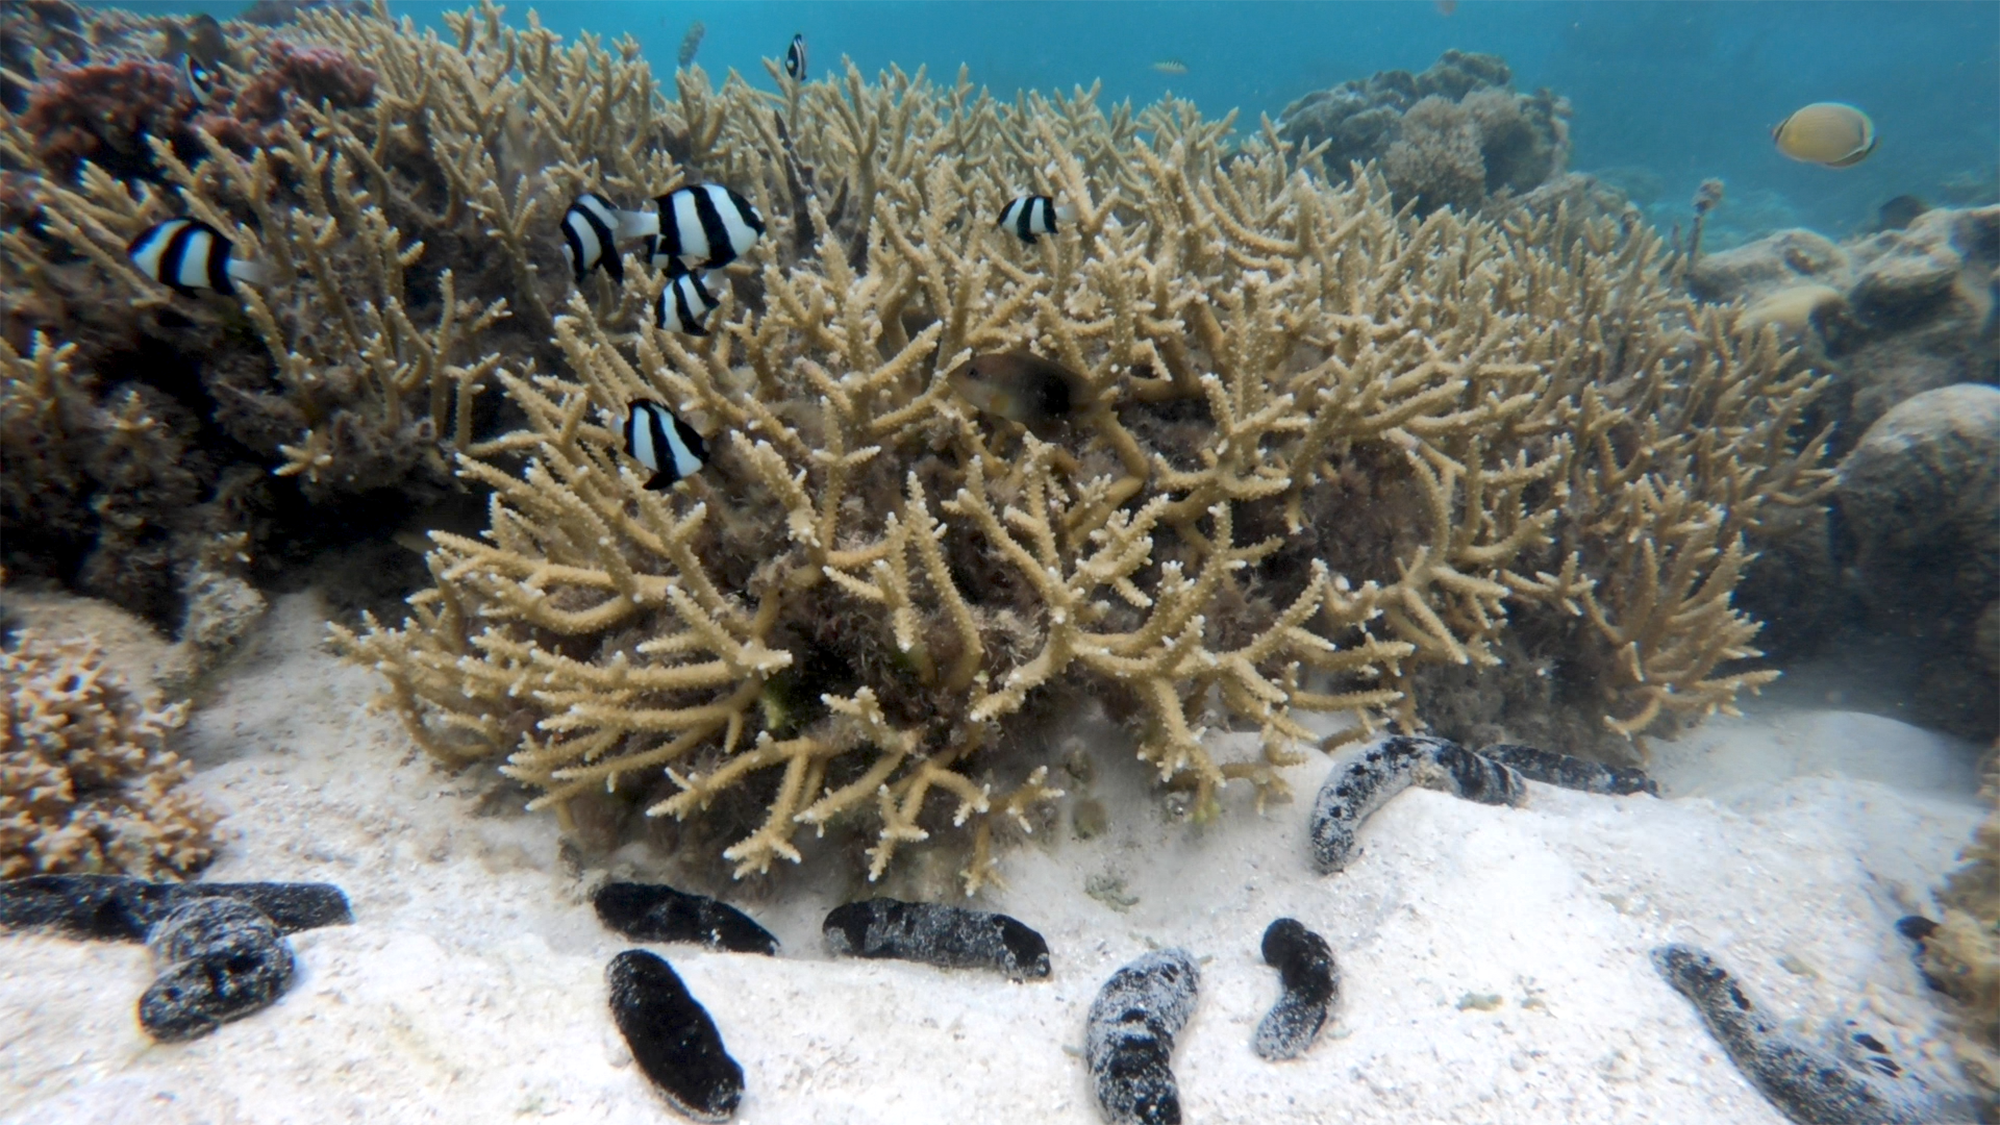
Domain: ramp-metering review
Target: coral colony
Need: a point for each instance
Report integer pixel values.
(918, 422)
(1222, 443)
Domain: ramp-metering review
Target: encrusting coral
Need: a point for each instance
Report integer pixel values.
(1337, 445)
(86, 781)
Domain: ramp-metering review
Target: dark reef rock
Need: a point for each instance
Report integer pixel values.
(1453, 135)
(657, 912)
(1806, 1083)
(1129, 1037)
(1887, 316)
(1919, 498)
(220, 959)
(121, 908)
(672, 1037)
(951, 937)
(1386, 767)
(1311, 981)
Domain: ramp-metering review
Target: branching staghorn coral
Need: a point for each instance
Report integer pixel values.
(86, 781)
(1323, 445)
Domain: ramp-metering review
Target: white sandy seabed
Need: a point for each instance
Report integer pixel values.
(1494, 961)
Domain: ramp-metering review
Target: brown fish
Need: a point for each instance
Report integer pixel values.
(1041, 394)
(205, 42)
(1829, 133)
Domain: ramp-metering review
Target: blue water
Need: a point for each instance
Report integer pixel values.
(1682, 90)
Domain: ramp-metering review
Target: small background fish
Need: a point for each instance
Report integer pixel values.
(690, 43)
(1021, 386)
(1171, 66)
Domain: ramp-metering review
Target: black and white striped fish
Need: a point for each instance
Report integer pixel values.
(795, 58)
(199, 78)
(705, 226)
(1032, 215)
(590, 237)
(667, 446)
(685, 303)
(188, 254)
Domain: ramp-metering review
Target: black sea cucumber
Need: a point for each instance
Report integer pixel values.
(1386, 767)
(121, 908)
(1129, 1037)
(220, 959)
(657, 912)
(949, 936)
(1809, 1085)
(1311, 980)
(672, 1037)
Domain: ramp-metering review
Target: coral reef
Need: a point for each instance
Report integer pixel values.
(344, 379)
(112, 493)
(1887, 317)
(1341, 457)
(1913, 309)
(1339, 448)
(1454, 135)
(86, 781)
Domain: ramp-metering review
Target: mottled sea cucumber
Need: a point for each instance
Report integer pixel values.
(1386, 767)
(1809, 1085)
(1551, 768)
(672, 1037)
(1311, 981)
(657, 912)
(220, 959)
(1129, 1037)
(951, 937)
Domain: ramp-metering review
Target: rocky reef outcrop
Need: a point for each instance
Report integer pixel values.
(1889, 315)
(1905, 324)
(1454, 135)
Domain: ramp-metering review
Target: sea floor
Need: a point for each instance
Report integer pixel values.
(1493, 961)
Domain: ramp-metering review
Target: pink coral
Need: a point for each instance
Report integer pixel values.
(104, 112)
(311, 74)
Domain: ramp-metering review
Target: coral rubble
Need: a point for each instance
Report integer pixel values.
(1452, 135)
(1962, 955)
(86, 781)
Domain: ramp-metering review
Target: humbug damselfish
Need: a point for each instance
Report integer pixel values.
(667, 446)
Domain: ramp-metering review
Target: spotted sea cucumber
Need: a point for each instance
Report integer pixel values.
(1809, 1085)
(951, 937)
(1386, 767)
(220, 959)
(1129, 1037)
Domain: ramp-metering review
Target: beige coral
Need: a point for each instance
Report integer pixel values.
(1341, 444)
(86, 781)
